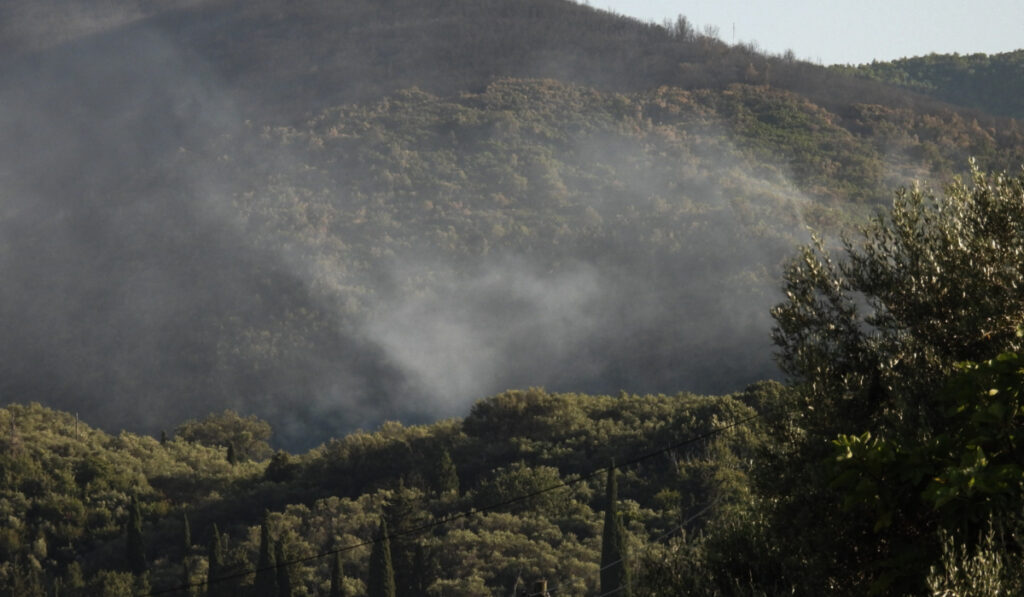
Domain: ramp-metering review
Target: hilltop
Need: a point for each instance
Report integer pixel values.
(288, 59)
(989, 84)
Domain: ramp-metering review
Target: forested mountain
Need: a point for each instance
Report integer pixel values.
(212, 205)
(329, 214)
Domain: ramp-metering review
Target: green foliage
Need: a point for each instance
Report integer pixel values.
(549, 495)
(874, 341)
(405, 511)
(265, 583)
(280, 469)
(186, 534)
(215, 553)
(135, 549)
(381, 581)
(74, 581)
(337, 577)
(243, 437)
(447, 475)
(986, 82)
(555, 534)
(967, 472)
(732, 557)
(108, 583)
(488, 553)
(932, 283)
(984, 411)
(284, 575)
(615, 571)
(984, 569)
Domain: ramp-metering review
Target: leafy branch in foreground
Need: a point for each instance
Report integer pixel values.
(969, 472)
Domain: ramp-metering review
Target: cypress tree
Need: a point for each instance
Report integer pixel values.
(447, 475)
(381, 582)
(186, 533)
(213, 589)
(232, 457)
(337, 578)
(74, 580)
(614, 571)
(284, 574)
(265, 584)
(404, 510)
(423, 574)
(134, 547)
(186, 539)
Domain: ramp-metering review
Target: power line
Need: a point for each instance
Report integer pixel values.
(464, 514)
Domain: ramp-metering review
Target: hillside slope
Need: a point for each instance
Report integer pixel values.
(197, 213)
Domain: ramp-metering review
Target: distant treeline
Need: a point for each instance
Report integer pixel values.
(992, 84)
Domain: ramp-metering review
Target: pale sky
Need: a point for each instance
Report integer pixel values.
(845, 31)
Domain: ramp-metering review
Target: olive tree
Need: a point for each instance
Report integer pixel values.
(874, 335)
(933, 281)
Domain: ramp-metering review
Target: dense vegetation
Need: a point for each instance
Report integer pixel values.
(990, 84)
(330, 213)
(69, 491)
(324, 214)
(307, 258)
(890, 465)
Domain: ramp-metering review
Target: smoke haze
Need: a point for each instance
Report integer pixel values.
(164, 258)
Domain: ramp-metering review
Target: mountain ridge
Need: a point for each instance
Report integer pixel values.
(291, 59)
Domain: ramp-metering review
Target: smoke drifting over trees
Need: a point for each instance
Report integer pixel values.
(173, 241)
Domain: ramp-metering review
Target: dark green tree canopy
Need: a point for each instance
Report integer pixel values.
(519, 479)
(931, 282)
(381, 581)
(280, 469)
(447, 476)
(265, 583)
(615, 575)
(284, 574)
(898, 447)
(247, 436)
(135, 548)
(215, 552)
(337, 576)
